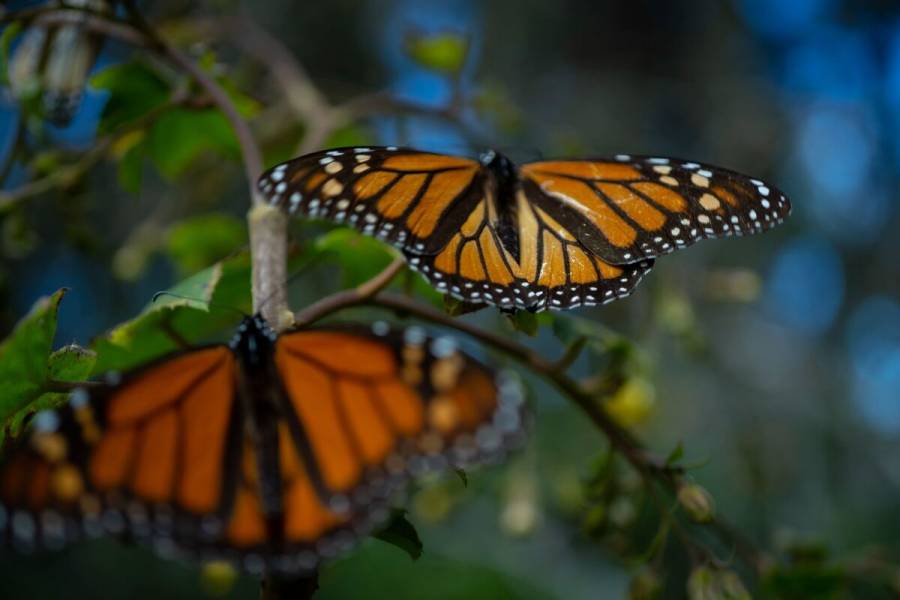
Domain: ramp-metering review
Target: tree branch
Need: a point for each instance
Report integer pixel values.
(67, 175)
(352, 297)
(267, 225)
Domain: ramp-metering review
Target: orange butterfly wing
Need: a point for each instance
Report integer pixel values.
(150, 455)
(400, 195)
(170, 455)
(376, 409)
(633, 208)
(581, 232)
(552, 269)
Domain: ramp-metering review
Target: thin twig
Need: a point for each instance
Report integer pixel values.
(249, 149)
(303, 96)
(352, 297)
(67, 175)
(267, 224)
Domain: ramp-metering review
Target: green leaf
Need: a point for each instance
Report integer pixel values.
(456, 307)
(401, 533)
(525, 321)
(25, 358)
(462, 476)
(130, 171)
(711, 583)
(675, 455)
(359, 256)
(819, 582)
(6, 39)
(70, 363)
(197, 242)
(200, 310)
(376, 566)
(180, 136)
(441, 52)
(134, 90)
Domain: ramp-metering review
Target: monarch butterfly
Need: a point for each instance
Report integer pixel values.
(550, 234)
(274, 451)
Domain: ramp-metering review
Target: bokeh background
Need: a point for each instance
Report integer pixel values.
(774, 359)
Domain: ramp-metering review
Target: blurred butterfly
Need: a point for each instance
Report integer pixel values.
(550, 234)
(274, 451)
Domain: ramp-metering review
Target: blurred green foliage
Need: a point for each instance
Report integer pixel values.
(28, 366)
(443, 52)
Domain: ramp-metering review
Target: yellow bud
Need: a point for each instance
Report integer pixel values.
(218, 578)
(709, 583)
(697, 503)
(632, 403)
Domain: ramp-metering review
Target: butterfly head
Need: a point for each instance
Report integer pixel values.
(502, 167)
(253, 339)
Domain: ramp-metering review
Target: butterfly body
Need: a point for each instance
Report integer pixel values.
(506, 186)
(552, 234)
(262, 401)
(274, 451)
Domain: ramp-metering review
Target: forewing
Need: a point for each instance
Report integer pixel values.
(406, 197)
(631, 208)
(149, 457)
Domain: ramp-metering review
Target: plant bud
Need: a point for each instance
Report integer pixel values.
(645, 585)
(710, 583)
(697, 503)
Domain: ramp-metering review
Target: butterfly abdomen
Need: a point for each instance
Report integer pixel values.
(506, 187)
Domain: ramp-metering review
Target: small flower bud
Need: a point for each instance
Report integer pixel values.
(710, 583)
(697, 503)
(645, 585)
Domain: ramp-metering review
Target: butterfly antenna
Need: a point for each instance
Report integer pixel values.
(159, 295)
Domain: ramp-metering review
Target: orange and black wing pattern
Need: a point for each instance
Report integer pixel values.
(400, 195)
(376, 407)
(632, 208)
(528, 260)
(183, 455)
(151, 457)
